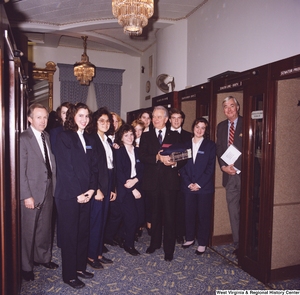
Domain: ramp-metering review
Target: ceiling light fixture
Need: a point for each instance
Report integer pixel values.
(133, 15)
(84, 70)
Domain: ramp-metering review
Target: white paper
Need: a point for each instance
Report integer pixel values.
(231, 155)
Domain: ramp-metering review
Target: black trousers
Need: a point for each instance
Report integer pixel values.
(73, 222)
(163, 204)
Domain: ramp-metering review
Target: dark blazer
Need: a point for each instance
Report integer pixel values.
(222, 144)
(53, 135)
(33, 171)
(149, 147)
(103, 173)
(202, 171)
(76, 169)
(185, 136)
(123, 165)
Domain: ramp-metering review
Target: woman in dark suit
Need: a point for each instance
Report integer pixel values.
(102, 122)
(61, 113)
(198, 186)
(76, 182)
(129, 176)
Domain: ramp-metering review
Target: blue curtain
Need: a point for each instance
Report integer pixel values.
(107, 84)
(70, 88)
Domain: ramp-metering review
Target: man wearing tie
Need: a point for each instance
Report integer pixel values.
(37, 182)
(161, 181)
(230, 132)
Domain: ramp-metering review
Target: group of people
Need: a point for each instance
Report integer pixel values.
(109, 179)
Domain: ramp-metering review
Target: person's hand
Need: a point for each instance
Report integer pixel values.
(136, 194)
(194, 187)
(116, 146)
(99, 196)
(113, 196)
(85, 197)
(166, 160)
(131, 182)
(229, 169)
(29, 203)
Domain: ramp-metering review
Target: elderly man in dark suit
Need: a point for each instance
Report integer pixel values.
(230, 132)
(176, 118)
(161, 181)
(37, 182)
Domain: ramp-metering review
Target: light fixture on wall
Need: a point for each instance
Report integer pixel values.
(84, 70)
(133, 15)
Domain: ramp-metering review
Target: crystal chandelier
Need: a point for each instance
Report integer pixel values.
(132, 14)
(84, 70)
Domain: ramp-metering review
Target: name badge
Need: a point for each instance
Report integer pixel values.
(88, 147)
(138, 161)
(201, 152)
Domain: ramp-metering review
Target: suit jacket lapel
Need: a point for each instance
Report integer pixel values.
(201, 148)
(34, 144)
(154, 138)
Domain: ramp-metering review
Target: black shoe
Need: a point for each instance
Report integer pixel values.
(28, 275)
(84, 274)
(131, 251)
(199, 253)
(105, 260)
(111, 242)
(180, 239)
(76, 283)
(187, 246)
(236, 252)
(50, 265)
(168, 257)
(150, 250)
(104, 249)
(95, 264)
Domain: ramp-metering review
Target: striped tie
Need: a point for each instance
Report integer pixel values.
(231, 134)
(47, 161)
(160, 137)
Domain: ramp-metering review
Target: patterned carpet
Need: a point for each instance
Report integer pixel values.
(187, 274)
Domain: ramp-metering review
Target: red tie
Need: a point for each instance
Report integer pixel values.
(231, 134)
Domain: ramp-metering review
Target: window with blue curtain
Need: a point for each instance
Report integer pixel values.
(107, 83)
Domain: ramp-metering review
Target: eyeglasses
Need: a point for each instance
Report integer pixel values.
(103, 121)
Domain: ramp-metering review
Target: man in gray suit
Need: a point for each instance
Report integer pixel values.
(231, 176)
(37, 183)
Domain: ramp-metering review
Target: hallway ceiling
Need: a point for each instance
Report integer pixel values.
(54, 23)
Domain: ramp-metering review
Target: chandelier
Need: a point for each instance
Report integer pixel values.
(132, 14)
(84, 70)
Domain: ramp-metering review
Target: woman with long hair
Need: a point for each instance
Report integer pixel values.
(77, 171)
(61, 114)
(102, 122)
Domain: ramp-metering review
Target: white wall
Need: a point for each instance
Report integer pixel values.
(240, 35)
(131, 77)
(172, 54)
(148, 75)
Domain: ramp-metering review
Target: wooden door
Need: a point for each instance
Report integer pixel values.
(12, 99)
(257, 178)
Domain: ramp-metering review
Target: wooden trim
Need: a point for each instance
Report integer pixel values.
(46, 73)
(285, 273)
